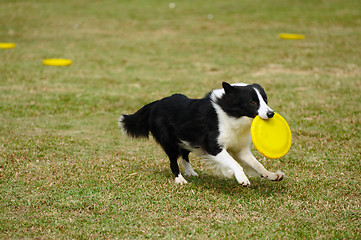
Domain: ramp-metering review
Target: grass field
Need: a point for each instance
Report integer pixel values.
(66, 172)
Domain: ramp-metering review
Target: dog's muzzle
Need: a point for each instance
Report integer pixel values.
(269, 113)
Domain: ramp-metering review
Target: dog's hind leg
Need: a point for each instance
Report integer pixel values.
(173, 157)
(173, 154)
(169, 145)
(188, 170)
(179, 179)
(254, 168)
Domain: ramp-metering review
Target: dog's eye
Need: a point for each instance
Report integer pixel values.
(253, 103)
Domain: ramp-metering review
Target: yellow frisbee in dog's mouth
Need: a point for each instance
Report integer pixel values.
(7, 45)
(57, 62)
(271, 137)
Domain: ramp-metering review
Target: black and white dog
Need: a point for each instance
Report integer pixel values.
(216, 127)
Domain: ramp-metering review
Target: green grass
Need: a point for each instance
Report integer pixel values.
(67, 172)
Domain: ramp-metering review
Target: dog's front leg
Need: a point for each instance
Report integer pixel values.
(253, 167)
(225, 159)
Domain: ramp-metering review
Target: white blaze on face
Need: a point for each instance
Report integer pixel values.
(264, 109)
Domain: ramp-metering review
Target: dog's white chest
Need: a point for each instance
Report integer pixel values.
(234, 134)
(235, 138)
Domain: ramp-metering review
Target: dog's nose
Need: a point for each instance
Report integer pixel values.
(270, 114)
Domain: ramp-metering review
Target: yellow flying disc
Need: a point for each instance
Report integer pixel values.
(271, 137)
(7, 45)
(290, 36)
(57, 62)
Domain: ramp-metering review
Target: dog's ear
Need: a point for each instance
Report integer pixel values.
(227, 87)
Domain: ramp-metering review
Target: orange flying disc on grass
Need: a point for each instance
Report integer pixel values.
(57, 62)
(7, 45)
(271, 137)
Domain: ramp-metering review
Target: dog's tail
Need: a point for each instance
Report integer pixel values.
(137, 124)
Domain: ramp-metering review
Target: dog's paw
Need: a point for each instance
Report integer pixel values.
(277, 176)
(243, 180)
(191, 173)
(188, 170)
(180, 180)
(245, 183)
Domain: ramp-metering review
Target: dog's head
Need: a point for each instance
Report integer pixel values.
(239, 100)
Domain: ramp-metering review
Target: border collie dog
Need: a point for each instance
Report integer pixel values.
(216, 127)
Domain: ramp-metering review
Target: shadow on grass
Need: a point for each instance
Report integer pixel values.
(205, 181)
